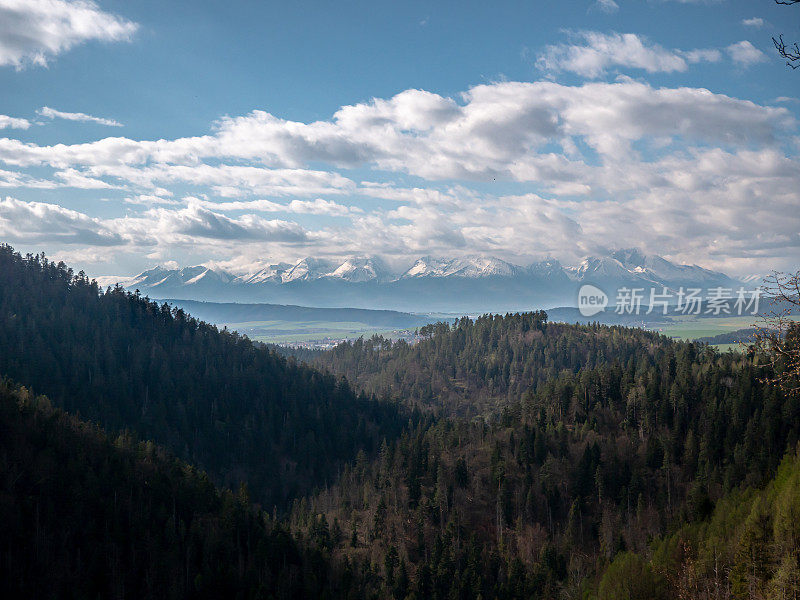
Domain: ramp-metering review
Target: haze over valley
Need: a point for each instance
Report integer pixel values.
(470, 284)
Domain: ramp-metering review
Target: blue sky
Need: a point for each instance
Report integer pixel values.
(514, 129)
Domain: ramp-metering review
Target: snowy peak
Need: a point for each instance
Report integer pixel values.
(631, 257)
(430, 283)
(163, 277)
(268, 274)
(307, 269)
(480, 266)
(209, 276)
(547, 268)
(186, 276)
(644, 269)
(604, 267)
(426, 267)
(361, 269)
(471, 267)
(657, 268)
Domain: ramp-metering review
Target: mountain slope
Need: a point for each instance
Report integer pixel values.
(215, 312)
(466, 284)
(471, 266)
(747, 548)
(85, 516)
(631, 435)
(477, 366)
(361, 269)
(237, 410)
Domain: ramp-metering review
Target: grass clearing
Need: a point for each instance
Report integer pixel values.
(278, 332)
(693, 327)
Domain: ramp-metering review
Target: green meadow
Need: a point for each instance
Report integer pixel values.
(278, 332)
(693, 327)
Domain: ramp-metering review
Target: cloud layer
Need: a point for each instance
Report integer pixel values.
(34, 31)
(592, 54)
(7, 122)
(683, 172)
(51, 113)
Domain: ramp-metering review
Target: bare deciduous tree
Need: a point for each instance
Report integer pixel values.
(778, 336)
(791, 52)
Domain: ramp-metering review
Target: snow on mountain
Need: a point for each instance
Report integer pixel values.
(307, 269)
(162, 277)
(187, 276)
(547, 268)
(425, 267)
(207, 275)
(603, 268)
(152, 277)
(632, 267)
(105, 281)
(471, 283)
(658, 268)
(146, 279)
(268, 274)
(754, 280)
(480, 266)
(471, 267)
(361, 269)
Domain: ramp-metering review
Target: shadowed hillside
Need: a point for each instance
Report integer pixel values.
(235, 409)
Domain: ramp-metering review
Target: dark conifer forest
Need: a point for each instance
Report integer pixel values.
(151, 455)
(215, 399)
(88, 516)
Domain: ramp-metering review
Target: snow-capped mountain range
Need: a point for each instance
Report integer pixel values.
(471, 283)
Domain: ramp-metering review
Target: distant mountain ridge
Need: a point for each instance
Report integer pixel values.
(470, 283)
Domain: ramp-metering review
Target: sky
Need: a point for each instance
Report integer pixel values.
(243, 133)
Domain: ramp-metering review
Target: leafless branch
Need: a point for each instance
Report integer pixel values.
(789, 52)
(778, 335)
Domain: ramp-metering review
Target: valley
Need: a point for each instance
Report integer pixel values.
(506, 456)
(377, 300)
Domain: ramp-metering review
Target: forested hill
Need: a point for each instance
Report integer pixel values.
(602, 456)
(85, 516)
(748, 548)
(235, 409)
(622, 442)
(474, 366)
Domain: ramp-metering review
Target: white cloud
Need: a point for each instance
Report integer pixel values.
(702, 55)
(38, 222)
(756, 22)
(17, 179)
(497, 130)
(33, 31)
(745, 54)
(150, 200)
(594, 53)
(317, 206)
(67, 178)
(606, 6)
(76, 179)
(231, 180)
(197, 221)
(90, 255)
(683, 171)
(51, 113)
(7, 122)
